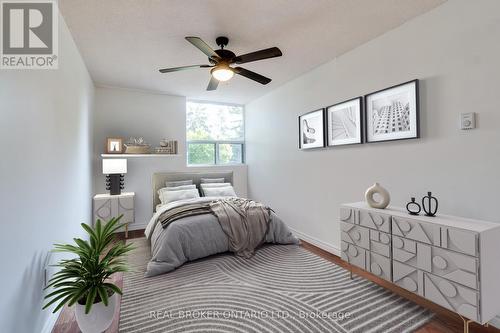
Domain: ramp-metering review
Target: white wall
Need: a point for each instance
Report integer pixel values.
(45, 177)
(454, 51)
(125, 113)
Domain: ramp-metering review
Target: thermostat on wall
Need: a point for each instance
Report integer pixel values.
(468, 120)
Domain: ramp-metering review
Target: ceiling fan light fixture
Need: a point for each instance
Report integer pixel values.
(222, 73)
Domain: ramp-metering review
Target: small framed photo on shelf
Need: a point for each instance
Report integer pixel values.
(393, 113)
(114, 145)
(344, 123)
(312, 129)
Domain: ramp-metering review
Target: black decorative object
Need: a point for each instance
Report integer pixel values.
(114, 183)
(428, 209)
(416, 207)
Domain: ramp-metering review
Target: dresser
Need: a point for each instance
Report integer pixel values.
(106, 206)
(451, 261)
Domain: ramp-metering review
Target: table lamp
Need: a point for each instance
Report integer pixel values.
(114, 169)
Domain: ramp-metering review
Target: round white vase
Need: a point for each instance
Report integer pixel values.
(385, 198)
(98, 319)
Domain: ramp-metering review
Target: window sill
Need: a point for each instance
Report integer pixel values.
(215, 165)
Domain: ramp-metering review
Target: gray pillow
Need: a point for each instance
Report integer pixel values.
(179, 183)
(212, 180)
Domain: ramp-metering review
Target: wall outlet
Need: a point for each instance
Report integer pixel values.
(467, 121)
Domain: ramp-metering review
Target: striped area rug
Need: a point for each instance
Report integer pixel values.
(283, 288)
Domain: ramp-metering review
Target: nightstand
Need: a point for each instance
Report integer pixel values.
(107, 206)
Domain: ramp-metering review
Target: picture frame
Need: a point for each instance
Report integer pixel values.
(344, 123)
(312, 130)
(114, 145)
(393, 113)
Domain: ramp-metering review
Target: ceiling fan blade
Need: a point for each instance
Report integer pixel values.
(258, 55)
(176, 69)
(212, 85)
(203, 47)
(251, 75)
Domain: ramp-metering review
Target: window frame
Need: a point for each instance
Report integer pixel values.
(217, 143)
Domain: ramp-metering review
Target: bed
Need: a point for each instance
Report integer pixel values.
(194, 237)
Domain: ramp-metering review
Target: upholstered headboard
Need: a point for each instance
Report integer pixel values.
(159, 180)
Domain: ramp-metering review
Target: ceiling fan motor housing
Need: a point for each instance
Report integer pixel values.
(222, 41)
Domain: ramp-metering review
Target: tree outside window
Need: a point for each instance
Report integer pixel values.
(215, 133)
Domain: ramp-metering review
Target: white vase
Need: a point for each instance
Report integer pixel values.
(98, 319)
(385, 198)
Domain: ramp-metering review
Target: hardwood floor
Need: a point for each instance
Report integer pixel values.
(445, 321)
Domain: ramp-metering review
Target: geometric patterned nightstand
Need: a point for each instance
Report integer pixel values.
(107, 206)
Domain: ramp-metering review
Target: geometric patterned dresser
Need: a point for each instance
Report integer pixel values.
(451, 261)
(107, 206)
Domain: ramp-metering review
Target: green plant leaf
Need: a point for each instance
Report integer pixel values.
(86, 275)
(103, 294)
(113, 287)
(90, 299)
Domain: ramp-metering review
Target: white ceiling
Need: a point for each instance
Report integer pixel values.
(125, 42)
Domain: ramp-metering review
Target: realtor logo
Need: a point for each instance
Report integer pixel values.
(29, 34)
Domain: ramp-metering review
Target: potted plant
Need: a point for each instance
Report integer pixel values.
(84, 280)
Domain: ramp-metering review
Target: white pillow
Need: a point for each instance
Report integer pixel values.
(167, 196)
(177, 188)
(227, 191)
(207, 185)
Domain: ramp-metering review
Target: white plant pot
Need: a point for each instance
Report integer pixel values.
(98, 319)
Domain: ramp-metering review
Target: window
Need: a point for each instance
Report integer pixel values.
(215, 133)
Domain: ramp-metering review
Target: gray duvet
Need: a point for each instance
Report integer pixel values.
(195, 237)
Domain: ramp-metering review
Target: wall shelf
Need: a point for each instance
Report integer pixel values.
(138, 155)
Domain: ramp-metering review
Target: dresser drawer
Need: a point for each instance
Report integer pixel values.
(408, 277)
(380, 243)
(126, 208)
(348, 215)
(375, 220)
(459, 240)
(452, 296)
(354, 234)
(448, 264)
(354, 255)
(423, 232)
(379, 266)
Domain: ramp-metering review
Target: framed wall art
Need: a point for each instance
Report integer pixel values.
(344, 123)
(312, 129)
(393, 113)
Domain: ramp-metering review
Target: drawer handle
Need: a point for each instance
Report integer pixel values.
(376, 269)
(385, 239)
(409, 284)
(353, 251)
(439, 262)
(345, 214)
(447, 289)
(398, 242)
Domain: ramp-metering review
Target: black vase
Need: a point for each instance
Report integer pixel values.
(431, 207)
(413, 207)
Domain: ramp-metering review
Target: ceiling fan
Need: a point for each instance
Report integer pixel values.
(221, 59)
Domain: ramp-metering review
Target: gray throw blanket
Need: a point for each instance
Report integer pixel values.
(245, 222)
(180, 212)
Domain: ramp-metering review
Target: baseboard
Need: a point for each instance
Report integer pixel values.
(50, 322)
(495, 322)
(316, 242)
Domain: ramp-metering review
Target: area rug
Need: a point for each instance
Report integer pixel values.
(283, 288)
